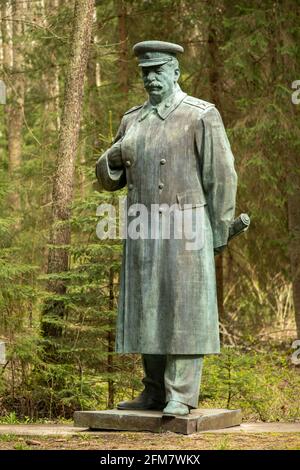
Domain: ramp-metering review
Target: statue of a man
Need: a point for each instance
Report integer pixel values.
(172, 150)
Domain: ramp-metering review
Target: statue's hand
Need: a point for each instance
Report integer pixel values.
(115, 157)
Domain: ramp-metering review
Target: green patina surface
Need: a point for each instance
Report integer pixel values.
(173, 149)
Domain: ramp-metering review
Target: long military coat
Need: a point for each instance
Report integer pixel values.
(175, 153)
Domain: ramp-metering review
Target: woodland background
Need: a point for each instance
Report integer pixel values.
(70, 75)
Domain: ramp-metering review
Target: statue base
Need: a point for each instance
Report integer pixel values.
(198, 420)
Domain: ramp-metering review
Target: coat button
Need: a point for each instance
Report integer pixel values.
(163, 161)
(130, 186)
(128, 163)
(161, 185)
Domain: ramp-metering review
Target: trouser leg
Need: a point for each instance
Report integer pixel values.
(154, 368)
(182, 378)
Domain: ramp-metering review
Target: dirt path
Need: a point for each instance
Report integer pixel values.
(66, 437)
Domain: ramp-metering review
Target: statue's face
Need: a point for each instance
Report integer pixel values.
(160, 80)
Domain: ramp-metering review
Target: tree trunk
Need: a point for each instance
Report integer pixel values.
(89, 143)
(294, 221)
(110, 343)
(6, 38)
(48, 11)
(6, 34)
(288, 40)
(294, 230)
(123, 52)
(215, 84)
(51, 77)
(16, 109)
(60, 236)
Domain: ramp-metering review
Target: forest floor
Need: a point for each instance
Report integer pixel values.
(280, 436)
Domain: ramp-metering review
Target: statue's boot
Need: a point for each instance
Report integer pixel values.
(175, 408)
(142, 402)
(153, 396)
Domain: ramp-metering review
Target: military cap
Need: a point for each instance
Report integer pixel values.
(152, 53)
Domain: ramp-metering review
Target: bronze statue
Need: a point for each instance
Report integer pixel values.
(173, 149)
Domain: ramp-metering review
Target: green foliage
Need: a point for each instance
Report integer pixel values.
(264, 384)
(256, 57)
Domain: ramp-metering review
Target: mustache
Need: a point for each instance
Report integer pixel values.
(153, 84)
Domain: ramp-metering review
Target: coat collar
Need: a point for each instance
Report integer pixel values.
(164, 108)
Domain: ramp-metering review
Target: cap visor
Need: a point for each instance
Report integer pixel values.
(151, 63)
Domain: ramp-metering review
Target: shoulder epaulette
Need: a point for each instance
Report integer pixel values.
(135, 108)
(197, 102)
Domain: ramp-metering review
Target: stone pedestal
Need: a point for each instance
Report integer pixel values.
(154, 421)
